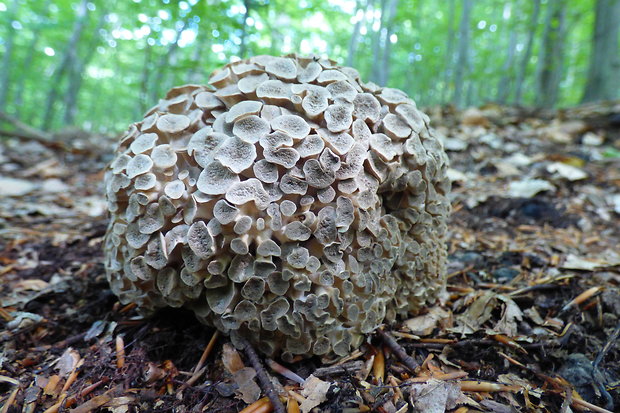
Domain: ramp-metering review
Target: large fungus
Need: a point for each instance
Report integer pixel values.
(288, 203)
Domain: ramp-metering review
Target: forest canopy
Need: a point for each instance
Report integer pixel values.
(100, 64)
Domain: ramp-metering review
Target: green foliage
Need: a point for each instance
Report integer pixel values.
(132, 51)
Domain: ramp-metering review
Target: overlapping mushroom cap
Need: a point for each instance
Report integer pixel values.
(289, 203)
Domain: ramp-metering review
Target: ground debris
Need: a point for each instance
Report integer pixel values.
(530, 320)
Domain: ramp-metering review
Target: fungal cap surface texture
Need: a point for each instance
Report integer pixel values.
(287, 202)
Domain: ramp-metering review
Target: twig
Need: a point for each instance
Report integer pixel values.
(378, 366)
(590, 406)
(263, 378)
(278, 368)
(259, 406)
(208, 349)
(350, 367)
(613, 337)
(575, 302)
(10, 401)
(120, 352)
(398, 350)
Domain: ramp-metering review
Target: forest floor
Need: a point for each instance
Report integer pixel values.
(530, 323)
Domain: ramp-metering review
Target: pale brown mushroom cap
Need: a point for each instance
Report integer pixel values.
(287, 202)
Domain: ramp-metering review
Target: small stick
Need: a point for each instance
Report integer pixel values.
(590, 406)
(263, 378)
(207, 351)
(258, 406)
(278, 368)
(72, 377)
(608, 345)
(378, 367)
(296, 396)
(10, 401)
(292, 406)
(482, 386)
(350, 367)
(399, 351)
(120, 352)
(580, 298)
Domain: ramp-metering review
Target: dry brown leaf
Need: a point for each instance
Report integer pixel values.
(314, 390)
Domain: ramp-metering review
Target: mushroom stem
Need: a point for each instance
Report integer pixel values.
(263, 378)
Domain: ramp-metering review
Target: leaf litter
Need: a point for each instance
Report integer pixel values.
(530, 321)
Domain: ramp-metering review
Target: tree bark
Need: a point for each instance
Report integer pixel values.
(67, 60)
(5, 73)
(355, 35)
(243, 47)
(503, 88)
(164, 62)
(527, 55)
(144, 78)
(462, 61)
(77, 74)
(551, 63)
(603, 74)
(449, 52)
(387, 42)
(32, 47)
(375, 72)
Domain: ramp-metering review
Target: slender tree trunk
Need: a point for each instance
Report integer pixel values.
(164, 62)
(527, 55)
(243, 47)
(387, 42)
(196, 74)
(449, 51)
(375, 72)
(553, 54)
(67, 60)
(5, 73)
(355, 34)
(32, 47)
(462, 61)
(603, 74)
(77, 73)
(144, 78)
(503, 88)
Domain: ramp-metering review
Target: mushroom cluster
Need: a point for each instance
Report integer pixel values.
(288, 203)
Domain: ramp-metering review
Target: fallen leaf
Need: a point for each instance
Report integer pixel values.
(434, 396)
(425, 324)
(315, 391)
(607, 259)
(15, 187)
(528, 188)
(572, 173)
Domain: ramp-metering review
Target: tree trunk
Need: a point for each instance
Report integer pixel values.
(387, 43)
(528, 53)
(5, 73)
(164, 62)
(603, 74)
(68, 59)
(462, 61)
(77, 73)
(503, 88)
(376, 67)
(355, 34)
(196, 73)
(144, 78)
(449, 52)
(552, 54)
(243, 47)
(32, 47)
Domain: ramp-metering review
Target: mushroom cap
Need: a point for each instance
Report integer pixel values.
(288, 203)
